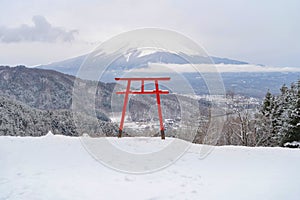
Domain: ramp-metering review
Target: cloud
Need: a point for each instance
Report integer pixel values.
(41, 31)
(222, 68)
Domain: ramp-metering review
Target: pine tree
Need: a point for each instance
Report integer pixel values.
(265, 123)
(282, 113)
(267, 104)
(293, 133)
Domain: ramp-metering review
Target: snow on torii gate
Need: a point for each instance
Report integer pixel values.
(157, 91)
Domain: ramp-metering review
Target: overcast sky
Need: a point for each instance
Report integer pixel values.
(36, 32)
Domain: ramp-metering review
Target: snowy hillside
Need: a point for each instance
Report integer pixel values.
(58, 167)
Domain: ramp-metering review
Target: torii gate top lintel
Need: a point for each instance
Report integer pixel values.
(145, 79)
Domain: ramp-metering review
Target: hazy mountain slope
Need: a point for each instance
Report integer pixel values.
(44, 89)
(68, 66)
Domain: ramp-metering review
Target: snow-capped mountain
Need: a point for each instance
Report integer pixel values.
(140, 58)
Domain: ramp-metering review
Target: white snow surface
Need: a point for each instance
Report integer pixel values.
(58, 167)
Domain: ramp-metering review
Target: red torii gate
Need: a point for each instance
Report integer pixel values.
(157, 91)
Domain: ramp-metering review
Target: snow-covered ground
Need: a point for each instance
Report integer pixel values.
(58, 167)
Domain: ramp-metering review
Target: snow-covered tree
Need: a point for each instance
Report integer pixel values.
(293, 132)
(279, 116)
(266, 123)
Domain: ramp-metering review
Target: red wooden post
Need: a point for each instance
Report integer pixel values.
(162, 131)
(157, 92)
(143, 86)
(124, 108)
